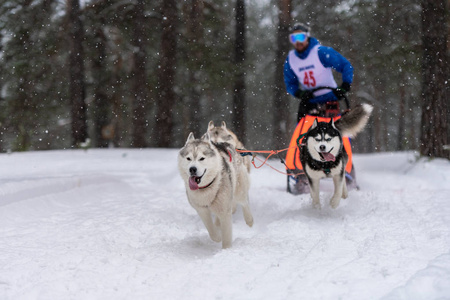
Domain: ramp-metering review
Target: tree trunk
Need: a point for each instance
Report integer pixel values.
(435, 92)
(166, 75)
(195, 42)
(101, 103)
(77, 85)
(280, 100)
(2, 136)
(239, 100)
(402, 115)
(139, 86)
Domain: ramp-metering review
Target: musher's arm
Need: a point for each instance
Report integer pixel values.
(290, 79)
(330, 58)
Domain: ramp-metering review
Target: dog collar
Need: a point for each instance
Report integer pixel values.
(206, 186)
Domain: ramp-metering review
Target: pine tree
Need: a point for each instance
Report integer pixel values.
(239, 98)
(166, 75)
(435, 70)
(77, 92)
(280, 100)
(139, 78)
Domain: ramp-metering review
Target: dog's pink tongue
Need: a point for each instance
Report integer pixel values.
(192, 183)
(328, 156)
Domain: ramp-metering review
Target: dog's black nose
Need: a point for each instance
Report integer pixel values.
(322, 148)
(193, 170)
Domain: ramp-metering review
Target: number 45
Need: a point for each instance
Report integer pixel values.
(308, 79)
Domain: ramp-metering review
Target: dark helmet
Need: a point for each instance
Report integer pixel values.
(300, 26)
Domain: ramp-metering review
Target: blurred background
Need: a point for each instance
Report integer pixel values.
(135, 73)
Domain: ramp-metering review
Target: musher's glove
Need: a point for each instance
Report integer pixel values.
(342, 90)
(304, 95)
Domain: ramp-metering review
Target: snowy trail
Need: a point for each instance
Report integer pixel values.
(116, 224)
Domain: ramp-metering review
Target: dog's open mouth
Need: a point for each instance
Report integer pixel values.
(194, 181)
(327, 156)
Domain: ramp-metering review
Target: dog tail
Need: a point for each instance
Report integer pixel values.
(355, 120)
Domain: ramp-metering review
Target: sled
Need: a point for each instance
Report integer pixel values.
(296, 180)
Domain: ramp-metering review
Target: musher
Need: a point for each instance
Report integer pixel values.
(308, 66)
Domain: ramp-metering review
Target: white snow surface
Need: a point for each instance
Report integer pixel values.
(116, 224)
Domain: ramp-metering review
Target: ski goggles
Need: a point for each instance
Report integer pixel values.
(298, 37)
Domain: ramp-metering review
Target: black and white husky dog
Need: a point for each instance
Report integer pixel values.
(322, 153)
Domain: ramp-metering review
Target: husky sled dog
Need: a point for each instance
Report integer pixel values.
(215, 180)
(322, 154)
(224, 135)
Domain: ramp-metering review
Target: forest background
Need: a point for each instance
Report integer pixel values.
(135, 73)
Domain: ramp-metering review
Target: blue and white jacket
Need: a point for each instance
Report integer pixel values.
(319, 59)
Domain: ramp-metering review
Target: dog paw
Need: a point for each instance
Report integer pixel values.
(335, 202)
(216, 237)
(316, 205)
(226, 245)
(249, 221)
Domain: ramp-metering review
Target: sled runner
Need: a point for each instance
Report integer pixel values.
(296, 181)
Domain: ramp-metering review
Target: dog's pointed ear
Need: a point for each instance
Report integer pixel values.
(314, 125)
(190, 137)
(224, 125)
(332, 123)
(206, 138)
(210, 125)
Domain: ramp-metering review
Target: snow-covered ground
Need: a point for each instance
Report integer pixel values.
(116, 224)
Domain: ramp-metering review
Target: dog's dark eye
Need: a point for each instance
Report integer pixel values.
(328, 139)
(201, 159)
(318, 140)
(188, 158)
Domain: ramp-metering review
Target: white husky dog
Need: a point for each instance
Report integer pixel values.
(215, 180)
(224, 135)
